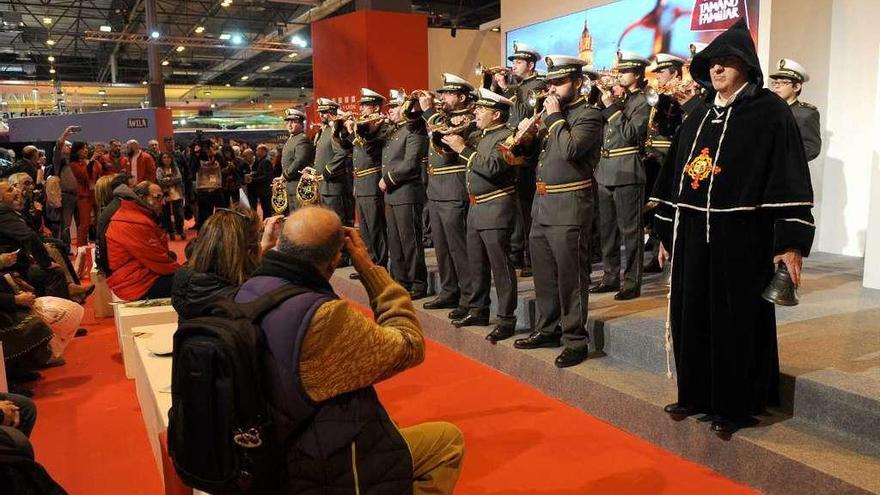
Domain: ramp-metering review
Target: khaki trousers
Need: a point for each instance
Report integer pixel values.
(437, 450)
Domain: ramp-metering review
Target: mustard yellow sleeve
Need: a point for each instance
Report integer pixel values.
(343, 350)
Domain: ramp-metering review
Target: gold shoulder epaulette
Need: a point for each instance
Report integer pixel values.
(807, 105)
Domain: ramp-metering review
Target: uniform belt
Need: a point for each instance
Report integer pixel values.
(615, 152)
(367, 171)
(544, 188)
(452, 169)
(658, 143)
(477, 199)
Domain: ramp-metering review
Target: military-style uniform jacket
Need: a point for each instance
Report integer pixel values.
(367, 161)
(404, 155)
(519, 95)
(807, 118)
(570, 149)
(445, 170)
(297, 154)
(491, 182)
(333, 163)
(664, 120)
(626, 126)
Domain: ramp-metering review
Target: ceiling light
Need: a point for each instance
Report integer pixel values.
(266, 67)
(182, 121)
(244, 78)
(200, 29)
(154, 34)
(144, 83)
(102, 92)
(51, 58)
(52, 70)
(50, 42)
(4, 103)
(180, 48)
(213, 105)
(228, 85)
(105, 29)
(292, 55)
(225, 36)
(165, 62)
(207, 93)
(299, 41)
(496, 29)
(105, 104)
(270, 106)
(226, 3)
(236, 39)
(47, 20)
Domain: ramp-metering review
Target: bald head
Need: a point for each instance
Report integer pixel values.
(313, 235)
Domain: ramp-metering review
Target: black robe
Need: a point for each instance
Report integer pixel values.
(726, 214)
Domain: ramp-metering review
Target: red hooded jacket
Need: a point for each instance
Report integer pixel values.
(137, 251)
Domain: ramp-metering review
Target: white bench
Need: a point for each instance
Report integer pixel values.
(153, 385)
(128, 316)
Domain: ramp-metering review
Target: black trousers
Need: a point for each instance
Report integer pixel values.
(172, 217)
(620, 218)
(488, 253)
(371, 223)
(525, 196)
(406, 255)
(560, 254)
(47, 281)
(343, 206)
(449, 232)
(263, 196)
(723, 332)
(160, 289)
(68, 210)
(207, 201)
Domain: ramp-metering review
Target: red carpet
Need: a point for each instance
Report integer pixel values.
(91, 437)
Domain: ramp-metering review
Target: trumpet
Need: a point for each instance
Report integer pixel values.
(372, 118)
(608, 79)
(487, 74)
(670, 88)
(446, 129)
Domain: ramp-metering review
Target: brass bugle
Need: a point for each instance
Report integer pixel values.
(370, 119)
(480, 69)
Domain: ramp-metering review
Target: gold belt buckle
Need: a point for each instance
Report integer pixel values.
(430, 170)
(541, 187)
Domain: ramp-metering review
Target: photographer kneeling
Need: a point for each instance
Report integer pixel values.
(324, 358)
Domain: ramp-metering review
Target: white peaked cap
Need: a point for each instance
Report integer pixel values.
(493, 99)
(788, 68)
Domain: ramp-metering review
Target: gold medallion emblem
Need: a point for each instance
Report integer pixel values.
(700, 168)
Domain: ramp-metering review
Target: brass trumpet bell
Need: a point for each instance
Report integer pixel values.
(781, 289)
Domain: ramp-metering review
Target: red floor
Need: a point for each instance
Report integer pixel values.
(91, 438)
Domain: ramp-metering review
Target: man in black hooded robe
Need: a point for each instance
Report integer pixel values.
(735, 199)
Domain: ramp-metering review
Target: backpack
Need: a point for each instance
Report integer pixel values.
(220, 433)
(19, 472)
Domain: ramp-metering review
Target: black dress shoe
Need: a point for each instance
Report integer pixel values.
(627, 294)
(678, 412)
(571, 357)
(726, 427)
(470, 321)
(416, 295)
(354, 276)
(501, 332)
(457, 313)
(526, 272)
(536, 340)
(438, 303)
(653, 266)
(81, 332)
(602, 289)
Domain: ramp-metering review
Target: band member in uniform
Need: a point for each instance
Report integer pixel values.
(367, 134)
(787, 82)
(523, 69)
(621, 178)
(690, 97)
(403, 157)
(562, 212)
(491, 186)
(447, 193)
(333, 163)
(736, 199)
(297, 154)
(663, 122)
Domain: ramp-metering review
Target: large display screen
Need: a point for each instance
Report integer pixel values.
(645, 27)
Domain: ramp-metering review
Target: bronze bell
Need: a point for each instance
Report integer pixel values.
(781, 289)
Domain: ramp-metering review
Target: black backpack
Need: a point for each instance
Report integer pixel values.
(19, 472)
(219, 428)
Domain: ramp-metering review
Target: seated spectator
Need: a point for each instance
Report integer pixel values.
(334, 355)
(34, 264)
(137, 247)
(18, 412)
(108, 204)
(225, 254)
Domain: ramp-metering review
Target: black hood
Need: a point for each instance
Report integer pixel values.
(736, 41)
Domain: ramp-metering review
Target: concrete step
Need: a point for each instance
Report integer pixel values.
(631, 397)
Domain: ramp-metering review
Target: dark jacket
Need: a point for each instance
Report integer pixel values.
(192, 291)
(626, 128)
(15, 233)
(807, 118)
(367, 161)
(491, 182)
(333, 163)
(297, 154)
(446, 171)
(403, 160)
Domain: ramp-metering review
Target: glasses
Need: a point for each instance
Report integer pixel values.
(228, 210)
(780, 83)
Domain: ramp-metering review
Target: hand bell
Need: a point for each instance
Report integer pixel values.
(781, 289)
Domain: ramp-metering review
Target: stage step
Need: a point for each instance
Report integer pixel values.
(624, 384)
